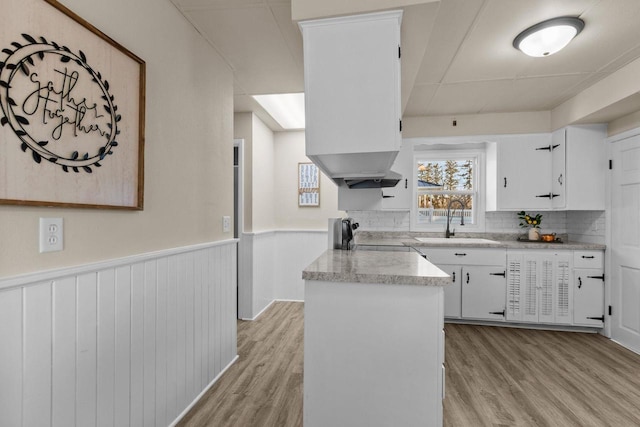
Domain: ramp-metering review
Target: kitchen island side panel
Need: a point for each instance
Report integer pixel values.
(373, 354)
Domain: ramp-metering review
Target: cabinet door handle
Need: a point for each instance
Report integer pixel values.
(505, 182)
(579, 282)
(597, 277)
(462, 254)
(560, 179)
(467, 277)
(544, 195)
(406, 183)
(501, 313)
(453, 275)
(503, 274)
(601, 318)
(548, 148)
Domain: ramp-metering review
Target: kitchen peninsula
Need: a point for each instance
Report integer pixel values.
(373, 340)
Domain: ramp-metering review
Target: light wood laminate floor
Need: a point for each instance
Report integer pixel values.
(496, 376)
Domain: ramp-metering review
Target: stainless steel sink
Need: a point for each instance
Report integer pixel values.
(454, 240)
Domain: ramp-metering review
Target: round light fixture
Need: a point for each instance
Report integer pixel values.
(548, 37)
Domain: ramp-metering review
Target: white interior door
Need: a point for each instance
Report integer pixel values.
(625, 243)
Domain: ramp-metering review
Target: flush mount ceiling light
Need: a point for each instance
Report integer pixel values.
(548, 37)
(286, 108)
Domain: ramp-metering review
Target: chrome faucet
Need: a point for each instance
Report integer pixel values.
(448, 233)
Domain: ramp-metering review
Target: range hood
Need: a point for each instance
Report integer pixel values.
(352, 97)
(389, 180)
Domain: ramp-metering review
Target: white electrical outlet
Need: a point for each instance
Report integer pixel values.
(51, 234)
(226, 224)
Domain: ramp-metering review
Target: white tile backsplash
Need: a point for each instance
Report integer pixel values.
(581, 226)
(382, 220)
(587, 226)
(508, 222)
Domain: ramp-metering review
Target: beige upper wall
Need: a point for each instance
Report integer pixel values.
(188, 153)
(271, 180)
(289, 151)
(243, 129)
(476, 124)
(623, 124)
(263, 180)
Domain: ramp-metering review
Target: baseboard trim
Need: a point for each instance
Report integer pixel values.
(259, 314)
(195, 401)
(543, 327)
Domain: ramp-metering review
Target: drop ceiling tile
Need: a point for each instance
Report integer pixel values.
(452, 23)
(488, 53)
(532, 94)
(290, 31)
(257, 53)
(420, 99)
(216, 4)
(417, 25)
(467, 97)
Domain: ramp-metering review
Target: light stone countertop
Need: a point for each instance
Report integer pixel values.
(391, 268)
(507, 244)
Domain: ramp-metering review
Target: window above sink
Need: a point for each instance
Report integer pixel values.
(445, 181)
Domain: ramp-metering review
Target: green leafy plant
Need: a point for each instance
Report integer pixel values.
(527, 220)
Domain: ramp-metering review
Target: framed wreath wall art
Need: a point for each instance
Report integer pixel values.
(71, 112)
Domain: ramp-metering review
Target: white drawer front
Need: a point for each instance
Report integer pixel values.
(466, 256)
(588, 259)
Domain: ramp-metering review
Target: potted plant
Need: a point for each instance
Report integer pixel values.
(532, 223)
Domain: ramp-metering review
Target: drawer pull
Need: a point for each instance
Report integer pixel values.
(501, 313)
(588, 257)
(457, 254)
(597, 277)
(503, 274)
(601, 318)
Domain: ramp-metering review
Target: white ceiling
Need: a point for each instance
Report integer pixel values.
(458, 56)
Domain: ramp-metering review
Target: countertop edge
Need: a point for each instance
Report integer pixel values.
(384, 268)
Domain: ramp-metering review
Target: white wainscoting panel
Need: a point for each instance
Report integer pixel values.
(295, 251)
(271, 264)
(256, 276)
(129, 342)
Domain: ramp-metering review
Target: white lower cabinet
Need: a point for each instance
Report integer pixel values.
(588, 297)
(539, 287)
(478, 284)
(588, 288)
(483, 291)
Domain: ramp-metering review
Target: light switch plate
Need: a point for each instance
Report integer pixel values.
(226, 224)
(51, 234)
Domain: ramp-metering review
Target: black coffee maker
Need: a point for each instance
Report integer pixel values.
(348, 227)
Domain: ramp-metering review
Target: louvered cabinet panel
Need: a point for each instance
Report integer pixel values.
(539, 287)
(530, 300)
(545, 284)
(514, 287)
(563, 291)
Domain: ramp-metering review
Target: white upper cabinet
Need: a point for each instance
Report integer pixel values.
(523, 173)
(352, 93)
(579, 169)
(564, 170)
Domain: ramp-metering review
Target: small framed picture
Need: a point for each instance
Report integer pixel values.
(308, 185)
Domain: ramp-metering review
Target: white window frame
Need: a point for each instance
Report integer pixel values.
(479, 181)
